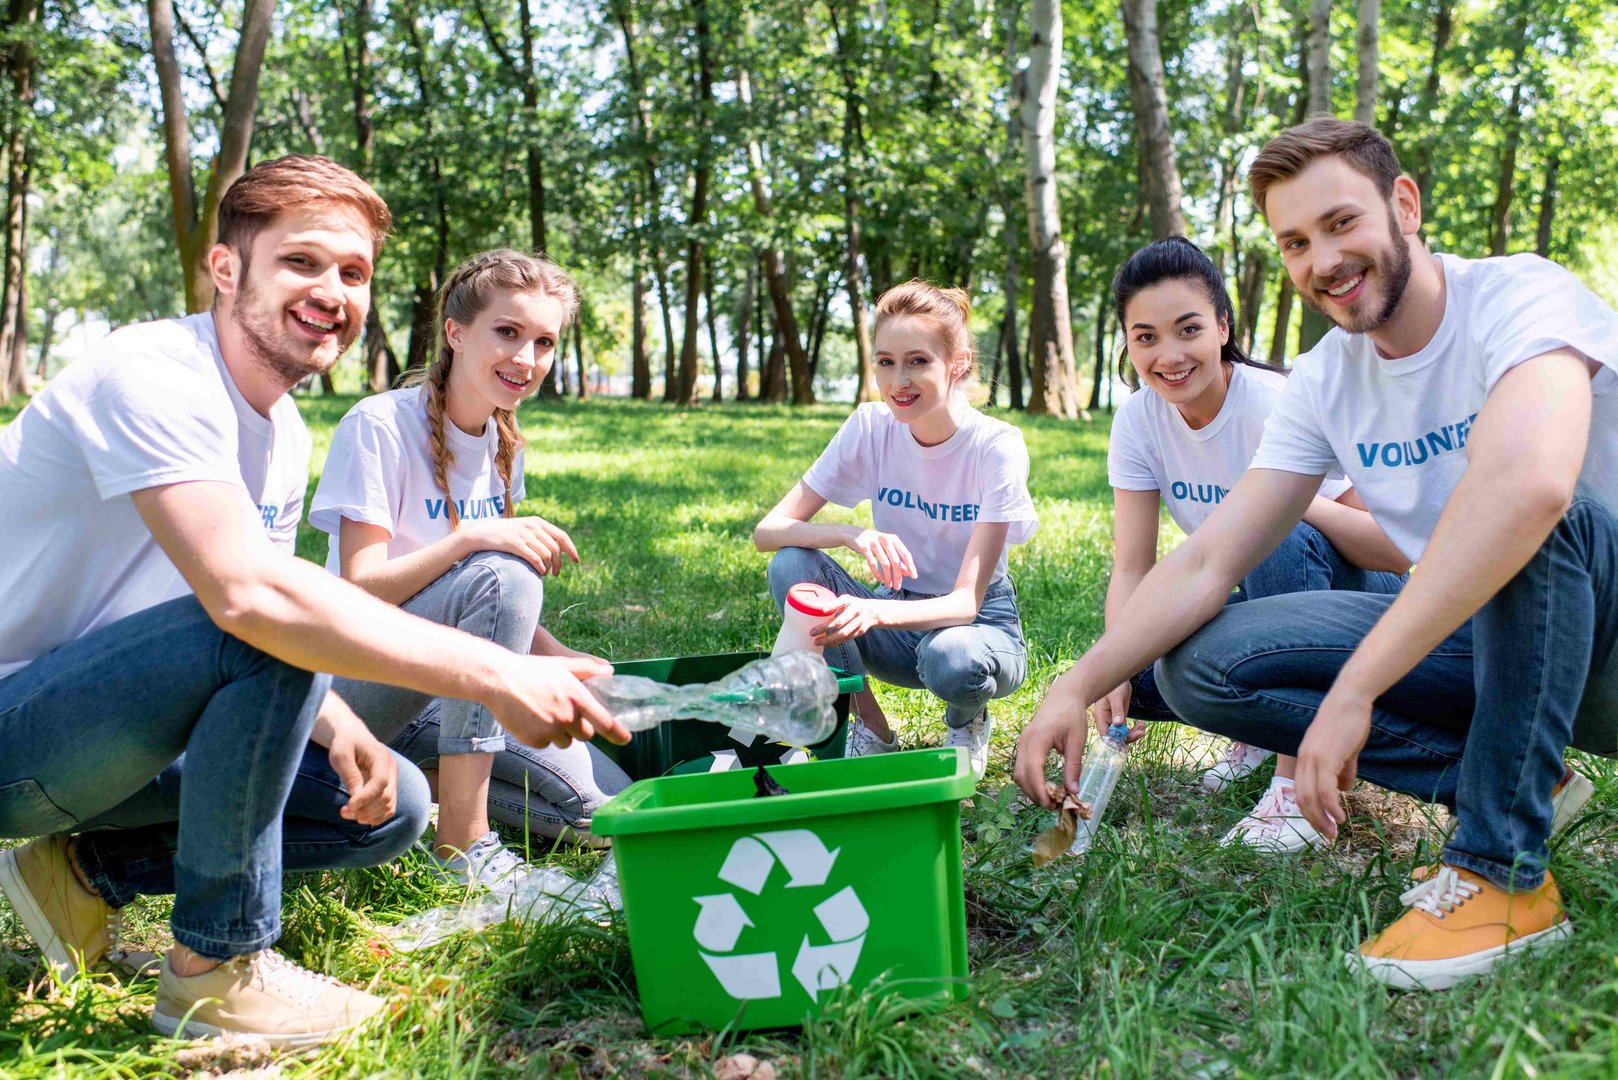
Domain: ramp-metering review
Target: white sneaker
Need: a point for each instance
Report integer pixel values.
(862, 741)
(974, 735)
(1275, 824)
(1568, 799)
(487, 864)
(1238, 760)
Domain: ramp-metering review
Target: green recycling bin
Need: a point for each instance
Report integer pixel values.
(682, 746)
(748, 912)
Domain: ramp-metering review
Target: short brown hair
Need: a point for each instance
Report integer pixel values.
(1295, 149)
(295, 182)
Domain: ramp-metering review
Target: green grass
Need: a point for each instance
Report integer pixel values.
(1161, 954)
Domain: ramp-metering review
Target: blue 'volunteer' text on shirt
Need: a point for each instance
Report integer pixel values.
(1211, 494)
(468, 510)
(936, 511)
(269, 514)
(1392, 455)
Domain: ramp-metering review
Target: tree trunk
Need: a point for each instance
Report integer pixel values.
(744, 325)
(1505, 185)
(423, 333)
(713, 332)
(1160, 176)
(1283, 321)
(1250, 293)
(196, 222)
(640, 363)
(14, 309)
(381, 363)
(1443, 24)
(52, 309)
(1317, 70)
(787, 334)
(1055, 389)
(670, 379)
(853, 154)
(1547, 205)
(578, 353)
(1317, 49)
(1102, 375)
(1367, 41)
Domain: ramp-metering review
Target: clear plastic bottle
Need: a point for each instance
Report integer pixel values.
(808, 605)
(1102, 767)
(788, 698)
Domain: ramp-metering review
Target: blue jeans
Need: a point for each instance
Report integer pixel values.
(1304, 561)
(1480, 724)
(202, 741)
(965, 666)
(497, 597)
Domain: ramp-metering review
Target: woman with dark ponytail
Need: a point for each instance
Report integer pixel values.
(1183, 440)
(419, 494)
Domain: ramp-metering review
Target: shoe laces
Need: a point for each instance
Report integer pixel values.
(1240, 755)
(277, 974)
(502, 867)
(861, 738)
(1275, 808)
(1440, 894)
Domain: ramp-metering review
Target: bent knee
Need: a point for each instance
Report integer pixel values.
(953, 662)
(792, 566)
(507, 582)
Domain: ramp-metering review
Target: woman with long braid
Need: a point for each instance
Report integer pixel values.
(419, 495)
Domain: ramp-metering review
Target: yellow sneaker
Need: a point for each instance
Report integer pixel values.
(262, 994)
(1458, 925)
(72, 925)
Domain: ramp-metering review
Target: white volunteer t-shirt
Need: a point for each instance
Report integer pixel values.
(929, 496)
(154, 406)
(1152, 448)
(1398, 428)
(380, 472)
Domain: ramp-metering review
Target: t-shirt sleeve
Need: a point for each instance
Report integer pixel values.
(1129, 462)
(842, 473)
(1294, 438)
(1005, 490)
(1530, 306)
(146, 425)
(361, 480)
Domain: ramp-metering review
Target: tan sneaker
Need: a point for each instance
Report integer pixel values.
(261, 994)
(1458, 925)
(73, 927)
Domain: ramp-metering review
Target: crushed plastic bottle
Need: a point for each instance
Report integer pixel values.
(1102, 767)
(789, 698)
(545, 893)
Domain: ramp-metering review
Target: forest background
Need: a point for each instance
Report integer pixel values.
(739, 179)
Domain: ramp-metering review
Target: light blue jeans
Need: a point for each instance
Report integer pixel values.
(964, 666)
(190, 751)
(1480, 724)
(497, 597)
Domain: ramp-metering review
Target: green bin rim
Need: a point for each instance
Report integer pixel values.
(846, 683)
(625, 814)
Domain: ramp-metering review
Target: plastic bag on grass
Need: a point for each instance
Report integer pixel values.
(544, 893)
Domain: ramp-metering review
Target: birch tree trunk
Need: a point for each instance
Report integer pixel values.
(1367, 42)
(1160, 176)
(196, 220)
(787, 334)
(1055, 389)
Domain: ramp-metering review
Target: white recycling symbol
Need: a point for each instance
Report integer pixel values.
(721, 919)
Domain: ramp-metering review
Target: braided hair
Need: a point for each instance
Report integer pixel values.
(466, 293)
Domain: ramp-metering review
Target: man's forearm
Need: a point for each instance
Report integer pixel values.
(1475, 550)
(319, 622)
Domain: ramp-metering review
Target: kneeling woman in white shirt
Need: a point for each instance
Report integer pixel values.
(1183, 439)
(949, 494)
(418, 494)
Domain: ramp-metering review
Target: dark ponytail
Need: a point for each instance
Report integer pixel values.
(1176, 259)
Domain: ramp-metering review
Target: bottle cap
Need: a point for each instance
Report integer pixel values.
(812, 599)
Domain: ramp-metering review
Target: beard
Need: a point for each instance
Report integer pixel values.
(291, 361)
(1391, 266)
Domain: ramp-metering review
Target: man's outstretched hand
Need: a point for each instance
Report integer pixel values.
(1328, 759)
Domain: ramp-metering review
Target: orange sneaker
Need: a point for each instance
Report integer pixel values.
(1458, 925)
